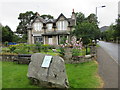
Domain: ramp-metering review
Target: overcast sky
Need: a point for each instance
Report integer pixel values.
(10, 9)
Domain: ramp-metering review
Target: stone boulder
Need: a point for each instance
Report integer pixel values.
(88, 56)
(53, 76)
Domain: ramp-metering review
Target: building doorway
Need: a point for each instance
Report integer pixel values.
(50, 40)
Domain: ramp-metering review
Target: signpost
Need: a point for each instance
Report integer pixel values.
(46, 61)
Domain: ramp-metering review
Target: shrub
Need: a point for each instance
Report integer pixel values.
(28, 48)
(62, 51)
(39, 46)
(32, 48)
(51, 47)
(45, 47)
(21, 51)
(5, 49)
(6, 43)
(12, 48)
(75, 52)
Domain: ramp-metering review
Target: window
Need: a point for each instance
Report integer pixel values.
(49, 26)
(38, 39)
(62, 25)
(38, 26)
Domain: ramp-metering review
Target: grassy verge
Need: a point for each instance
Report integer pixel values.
(83, 75)
(14, 76)
(0, 75)
(98, 45)
(79, 75)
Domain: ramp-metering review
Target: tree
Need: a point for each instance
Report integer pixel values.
(108, 35)
(112, 34)
(7, 34)
(117, 29)
(92, 19)
(80, 17)
(46, 17)
(87, 31)
(0, 33)
(86, 28)
(10, 32)
(25, 20)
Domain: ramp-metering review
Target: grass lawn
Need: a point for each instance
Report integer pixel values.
(80, 75)
(84, 75)
(14, 76)
(0, 75)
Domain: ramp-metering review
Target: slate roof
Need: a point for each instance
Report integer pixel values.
(60, 16)
(37, 16)
(70, 21)
(50, 21)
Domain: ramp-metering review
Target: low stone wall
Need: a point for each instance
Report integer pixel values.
(15, 58)
(81, 59)
(10, 58)
(26, 60)
(68, 54)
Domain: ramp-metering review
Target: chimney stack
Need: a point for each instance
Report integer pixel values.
(73, 15)
(73, 11)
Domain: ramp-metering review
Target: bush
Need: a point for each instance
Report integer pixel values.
(51, 47)
(75, 52)
(21, 51)
(12, 48)
(39, 46)
(32, 48)
(45, 47)
(62, 51)
(28, 48)
(4, 50)
(6, 43)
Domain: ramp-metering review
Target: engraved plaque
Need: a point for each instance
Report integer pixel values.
(46, 61)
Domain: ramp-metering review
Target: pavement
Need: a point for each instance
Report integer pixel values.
(108, 68)
(111, 49)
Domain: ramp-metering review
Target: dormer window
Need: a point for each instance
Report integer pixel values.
(62, 25)
(37, 26)
(49, 26)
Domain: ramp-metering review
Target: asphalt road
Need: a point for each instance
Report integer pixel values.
(111, 49)
(107, 57)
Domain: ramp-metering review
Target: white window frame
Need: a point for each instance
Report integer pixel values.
(49, 26)
(62, 25)
(50, 41)
(37, 26)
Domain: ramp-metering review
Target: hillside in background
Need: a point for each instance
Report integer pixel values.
(0, 24)
(104, 28)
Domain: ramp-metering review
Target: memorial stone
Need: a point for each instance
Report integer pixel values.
(47, 71)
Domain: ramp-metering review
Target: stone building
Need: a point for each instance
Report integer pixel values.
(50, 31)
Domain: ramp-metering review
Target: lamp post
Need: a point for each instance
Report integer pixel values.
(99, 7)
